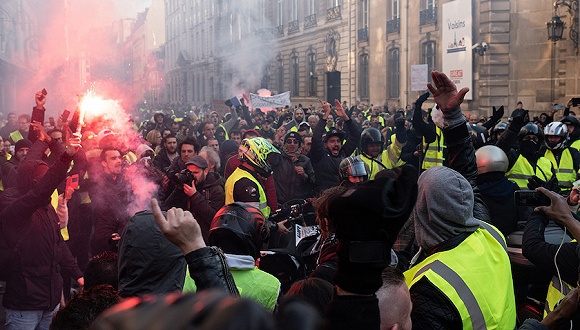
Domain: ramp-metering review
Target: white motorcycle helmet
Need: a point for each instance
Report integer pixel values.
(491, 159)
(559, 129)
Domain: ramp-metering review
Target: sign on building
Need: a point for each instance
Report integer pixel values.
(419, 77)
(456, 44)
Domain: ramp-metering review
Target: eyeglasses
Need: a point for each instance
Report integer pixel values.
(291, 141)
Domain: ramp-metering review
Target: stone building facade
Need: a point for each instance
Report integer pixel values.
(362, 50)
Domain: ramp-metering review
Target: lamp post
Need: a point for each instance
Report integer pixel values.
(555, 30)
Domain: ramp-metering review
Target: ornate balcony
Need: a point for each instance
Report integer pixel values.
(428, 16)
(309, 21)
(279, 31)
(394, 25)
(363, 34)
(333, 14)
(293, 26)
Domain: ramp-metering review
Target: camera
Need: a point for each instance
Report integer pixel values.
(531, 198)
(184, 177)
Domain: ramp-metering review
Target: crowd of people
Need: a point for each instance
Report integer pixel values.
(162, 224)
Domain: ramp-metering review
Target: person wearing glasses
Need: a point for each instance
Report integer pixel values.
(294, 174)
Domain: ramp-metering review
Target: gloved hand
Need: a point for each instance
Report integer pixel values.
(383, 206)
(418, 111)
(552, 184)
(520, 117)
(400, 129)
(497, 114)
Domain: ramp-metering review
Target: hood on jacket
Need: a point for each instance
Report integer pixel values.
(148, 262)
(28, 173)
(444, 207)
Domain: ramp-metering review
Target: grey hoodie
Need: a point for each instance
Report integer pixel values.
(444, 207)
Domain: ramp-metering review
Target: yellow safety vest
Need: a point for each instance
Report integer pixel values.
(555, 294)
(225, 131)
(433, 151)
(16, 136)
(229, 188)
(576, 145)
(476, 277)
(565, 170)
(522, 170)
(130, 157)
(389, 158)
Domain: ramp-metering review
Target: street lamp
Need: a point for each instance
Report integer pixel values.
(555, 28)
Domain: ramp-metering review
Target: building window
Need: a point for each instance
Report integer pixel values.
(363, 21)
(364, 76)
(428, 54)
(293, 10)
(394, 9)
(312, 7)
(280, 13)
(295, 76)
(280, 75)
(393, 73)
(428, 12)
(312, 74)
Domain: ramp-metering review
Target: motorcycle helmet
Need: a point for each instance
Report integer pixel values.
(499, 129)
(491, 159)
(256, 151)
(559, 129)
(353, 166)
(370, 135)
(530, 129)
(239, 228)
(479, 135)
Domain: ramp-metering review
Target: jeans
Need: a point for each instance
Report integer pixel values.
(29, 320)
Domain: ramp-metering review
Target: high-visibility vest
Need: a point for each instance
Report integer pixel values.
(229, 188)
(227, 137)
(433, 154)
(16, 136)
(523, 170)
(555, 294)
(389, 158)
(476, 277)
(576, 145)
(565, 170)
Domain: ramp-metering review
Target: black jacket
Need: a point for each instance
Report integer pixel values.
(290, 185)
(36, 283)
(161, 161)
(205, 203)
(325, 165)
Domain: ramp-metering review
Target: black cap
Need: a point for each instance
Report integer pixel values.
(197, 161)
(333, 132)
(293, 135)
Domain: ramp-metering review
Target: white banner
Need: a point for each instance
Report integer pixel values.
(419, 77)
(275, 101)
(456, 44)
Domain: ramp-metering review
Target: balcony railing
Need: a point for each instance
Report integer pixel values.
(363, 34)
(333, 14)
(309, 21)
(279, 31)
(293, 26)
(394, 25)
(428, 16)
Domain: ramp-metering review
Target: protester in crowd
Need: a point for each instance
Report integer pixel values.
(29, 225)
(328, 151)
(205, 194)
(9, 167)
(458, 247)
(394, 301)
(82, 310)
(110, 194)
(293, 175)
(154, 138)
(240, 230)
(353, 171)
(565, 159)
(11, 126)
(167, 154)
(102, 269)
(244, 184)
